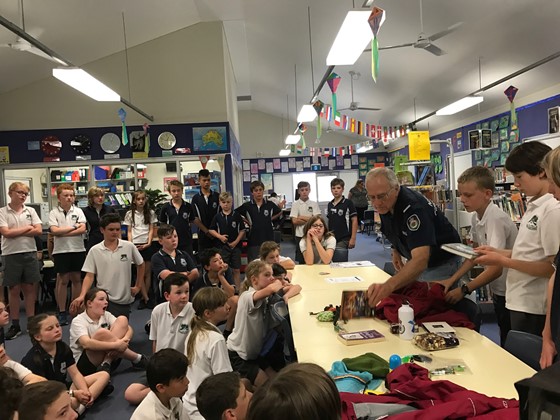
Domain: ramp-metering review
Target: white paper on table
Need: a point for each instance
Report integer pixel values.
(353, 279)
(352, 264)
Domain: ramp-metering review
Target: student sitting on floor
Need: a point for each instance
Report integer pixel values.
(46, 401)
(206, 346)
(170, 325)
(301, 391)
(167, 376)
(217, 274)
(223, 397)
(51, 358)
(97, 338)
(11, 390)
(270, 254)
(317, 244)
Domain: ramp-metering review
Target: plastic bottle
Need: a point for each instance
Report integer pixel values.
(406, 319)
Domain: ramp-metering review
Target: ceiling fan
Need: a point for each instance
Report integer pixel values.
(425, 42)
(25, 42)
(354, 105)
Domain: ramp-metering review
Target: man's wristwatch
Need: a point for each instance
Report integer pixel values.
(465, 290)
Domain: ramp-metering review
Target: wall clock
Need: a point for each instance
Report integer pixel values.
(51, 146)
(166, 140)
(110, 142)
(81, 144)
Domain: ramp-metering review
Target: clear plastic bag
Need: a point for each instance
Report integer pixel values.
(435, 342)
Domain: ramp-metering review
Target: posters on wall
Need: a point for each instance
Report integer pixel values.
(291, 163)
(299, 166)
(210, 139)
(307, 162)
(347, 163)
(285, 167)
(266, 179)
(261, 163)
(276, 163)
(246, 176)
(4, 154)
(254, 168)
(269, 167)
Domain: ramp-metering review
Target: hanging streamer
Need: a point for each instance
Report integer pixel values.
(122, 116)
(333, 81)
(375, 21)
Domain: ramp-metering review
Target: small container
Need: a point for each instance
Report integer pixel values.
(394, 361)
(406, 320)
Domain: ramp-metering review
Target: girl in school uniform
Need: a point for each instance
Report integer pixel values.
(51, 358)
(317, 244)
(142, 222)
(205, 346)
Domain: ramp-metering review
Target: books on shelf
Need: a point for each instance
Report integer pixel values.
(462, 250)
(511, 204)
(360, 337)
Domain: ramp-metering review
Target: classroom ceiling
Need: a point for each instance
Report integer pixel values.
(270, 48)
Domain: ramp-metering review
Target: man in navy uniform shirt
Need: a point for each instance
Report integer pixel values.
(205, 205)
(416, 229)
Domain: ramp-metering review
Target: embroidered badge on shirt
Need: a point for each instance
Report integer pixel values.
(183, 329)
(340, 212)
(185, 216)
(214, 205)
(124, 257)
(183, 262)
(532, 224)
(265, 213)
(63, 368)
(234, 224)
(413, 223)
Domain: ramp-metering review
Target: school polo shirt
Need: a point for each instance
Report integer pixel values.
(54, 369)
(180, 218)
(210, 358)
(340, 218)
(303, 208)
(537, 239)
(416, 222)
(329, 243)
(64, 244)
(228, 224)
(151, 408)
(260, 220)
(84, 325)
(113, 269)
(249, 331)
(10, 219)
(140, 228)
(20, 370)
(206, 206)
(161, 261)
(169, 332)
(497, 230)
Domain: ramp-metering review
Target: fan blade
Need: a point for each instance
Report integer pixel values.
(39, 53)
(435, 50)
(368, 109)
(343, 109)
(452, 28)
(389, 47)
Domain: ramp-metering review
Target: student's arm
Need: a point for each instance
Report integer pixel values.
(97, 345)
(272, 288)
(222, 238)
(488, 275)
(36, 231)
(226, 287)
(409, 273)
(290, 291)
(79, 301)
(81, 393)
(308, 256)
(548, 350)
(61, 231)
(276, 212)
(139, 279)
(154, 346)
(288, 263)
(7, 232)
(354, 229)
(239, 238)
(541, 268)
(325, 254)
(464, 269)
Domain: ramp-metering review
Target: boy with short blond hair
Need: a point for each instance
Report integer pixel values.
(180, 214)
(302, 210)
(342, 216)
(490, 226)
(228, 228)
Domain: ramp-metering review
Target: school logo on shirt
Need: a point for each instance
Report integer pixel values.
(185, 216)
(105, 325)
(234, 224)
(214, 205)
(28, 216)
(183, 329)
(532, 224)
(63, 368)
(310, 209)
(413, 223)
(340, 212)
(265, 213)
(124, 257)
(74, 217)
(183, 262)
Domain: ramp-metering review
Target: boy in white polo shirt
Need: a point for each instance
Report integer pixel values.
(302, 209)
(111, 262)
(19, 225)
(67, 225)
(530, 260)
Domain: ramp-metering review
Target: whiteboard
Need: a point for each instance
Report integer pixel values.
(551, 140)
(283, 185)
(462, 162)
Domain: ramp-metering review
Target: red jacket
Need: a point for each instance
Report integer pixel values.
(410, 384)
(427, 301)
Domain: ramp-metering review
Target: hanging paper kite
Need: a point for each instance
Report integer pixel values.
(510, 93)
(333, 80)
(375, 20)
(122, 116)
(318, 106)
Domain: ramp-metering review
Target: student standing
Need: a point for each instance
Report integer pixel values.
(205, 205)
(141, 222)
(302, 209)
(19, 225)
(95, 210)
(179, 214)
(341, 214)
(259, 214)
(490, 226)
(530, 260)
(68, 225)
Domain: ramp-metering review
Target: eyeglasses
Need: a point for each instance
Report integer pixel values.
(318, 226)
(381, 197)
(23, 193)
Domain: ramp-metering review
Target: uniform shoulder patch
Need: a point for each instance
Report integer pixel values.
(413, 223)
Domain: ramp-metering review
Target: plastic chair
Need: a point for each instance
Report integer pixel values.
(340, 255)
(472, 310)
(368, 223)
(526, 347)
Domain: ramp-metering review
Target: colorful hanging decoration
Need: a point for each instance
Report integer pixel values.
(333, 80)
(375, 20)
(146, 138)
(204, 161)
(318, 106)
(510, 93)
(122, 116)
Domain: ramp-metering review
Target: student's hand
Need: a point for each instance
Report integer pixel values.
(547, 353)
(121, 345)
(84, 397)
(223, 269)
(489, 258)
(134, 290)
(454, 296)
(223, 238)
(232, 244)
(447, 283)
(142, 247)
(397, 260)
(3, 356)
(275, 286)
(352, 243)
(77, 306)
(377, 292)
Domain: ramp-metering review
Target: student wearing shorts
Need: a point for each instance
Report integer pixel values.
(68, 225)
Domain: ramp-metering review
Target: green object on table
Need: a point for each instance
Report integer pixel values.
(325, 316)
(368, 362)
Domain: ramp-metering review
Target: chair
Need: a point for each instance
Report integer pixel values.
(368, 222)
(526, 347)
(340, 255)
(472, 310)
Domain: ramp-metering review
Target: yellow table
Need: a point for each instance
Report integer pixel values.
(494, 371)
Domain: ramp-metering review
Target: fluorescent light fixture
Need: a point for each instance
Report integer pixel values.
(292, 139)
(351, 40)
(460, 105)
(87, 84)
(364, 149)
(284, 152)
(307, 113)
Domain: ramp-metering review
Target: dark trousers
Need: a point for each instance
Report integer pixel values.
(502, 316)
(529, 323)
(299, 256)
(118, 309)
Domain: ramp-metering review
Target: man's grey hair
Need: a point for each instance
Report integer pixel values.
(387, 173)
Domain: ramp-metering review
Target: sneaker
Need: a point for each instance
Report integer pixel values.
(142, 304)
(63, 318)
(141, 365)
(13, 332)
(107, 390)
(148, 326)
(104, 367)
